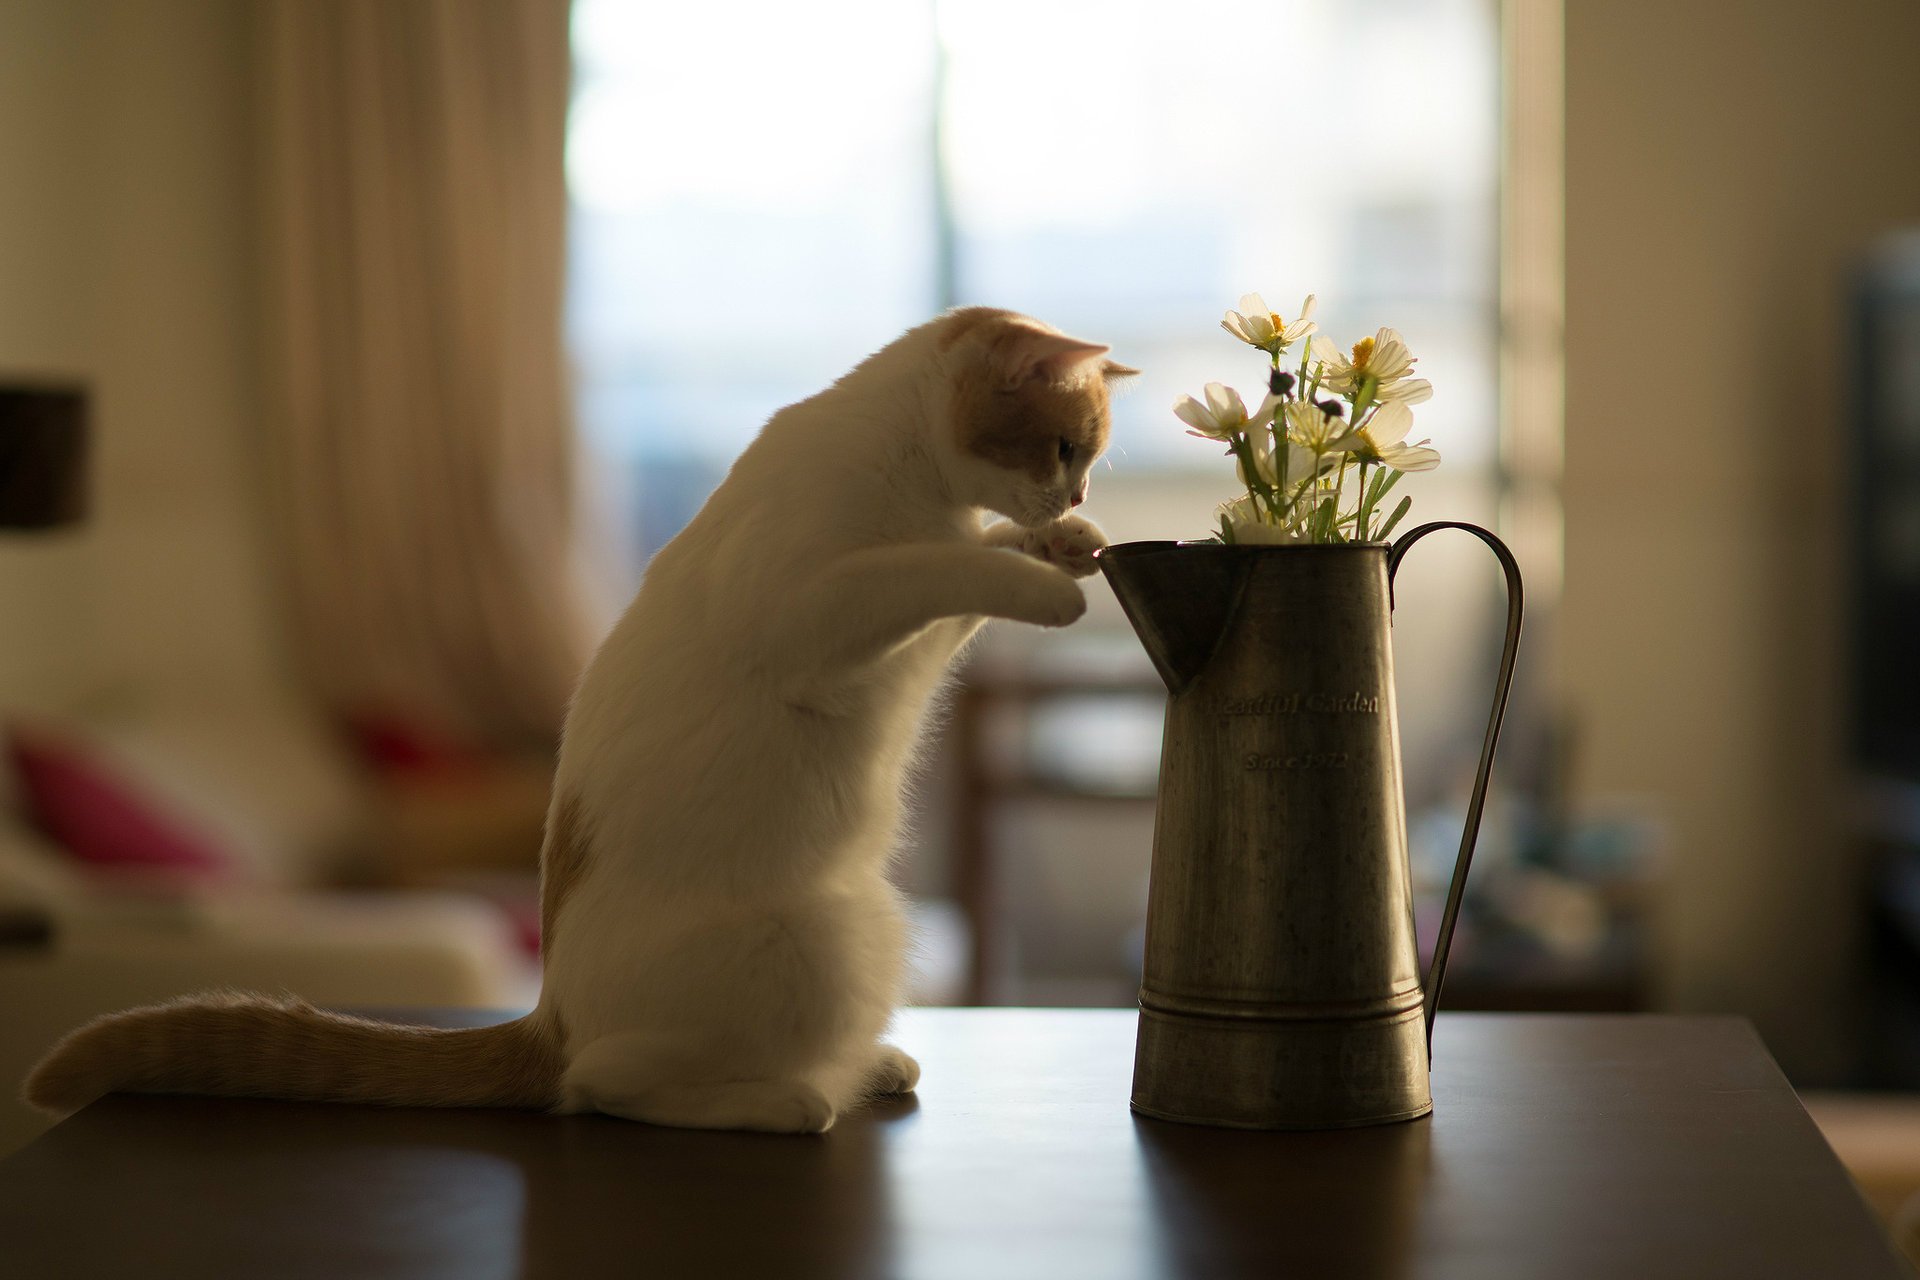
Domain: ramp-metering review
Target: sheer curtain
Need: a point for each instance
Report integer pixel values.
(414, 245)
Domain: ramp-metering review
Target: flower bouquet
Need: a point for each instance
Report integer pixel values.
(1324, 449)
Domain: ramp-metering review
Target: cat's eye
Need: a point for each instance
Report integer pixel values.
(1066, 450)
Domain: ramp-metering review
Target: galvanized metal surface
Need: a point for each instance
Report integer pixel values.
(1281, 986)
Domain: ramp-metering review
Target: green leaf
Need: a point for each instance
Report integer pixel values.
(1329, 515)
(1376, 485)
(1386, 530)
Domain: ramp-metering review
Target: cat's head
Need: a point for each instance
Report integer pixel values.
(1024, 414)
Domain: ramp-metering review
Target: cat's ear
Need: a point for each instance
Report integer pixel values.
(1112, 369)
(1034, 354)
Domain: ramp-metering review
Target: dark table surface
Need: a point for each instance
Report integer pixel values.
(1559, 1146)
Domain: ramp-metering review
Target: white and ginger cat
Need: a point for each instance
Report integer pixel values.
(722, 947)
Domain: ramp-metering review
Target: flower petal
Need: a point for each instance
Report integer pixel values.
(1336, 371)
(1389, 424)
(1413, 458)
(1407, 391)
(1193, 413)
(1303, 420)
(1258, 533)
(1391, 358)
(1306, 462)
(1229, 410)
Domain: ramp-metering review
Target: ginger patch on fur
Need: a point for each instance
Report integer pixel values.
(1022, 426)
(254, 1046)
(1021, 429)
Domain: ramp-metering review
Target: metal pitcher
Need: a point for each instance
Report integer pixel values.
(1282, 986)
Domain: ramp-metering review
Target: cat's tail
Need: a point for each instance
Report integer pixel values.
(257, 1047)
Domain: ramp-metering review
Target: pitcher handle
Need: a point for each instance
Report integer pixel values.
(1515, 605)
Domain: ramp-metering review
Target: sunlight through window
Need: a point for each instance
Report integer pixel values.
(764, 193)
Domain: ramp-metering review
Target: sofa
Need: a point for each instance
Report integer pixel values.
(295, 827)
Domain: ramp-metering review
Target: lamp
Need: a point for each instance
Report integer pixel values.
(43, 467)
(43, 455)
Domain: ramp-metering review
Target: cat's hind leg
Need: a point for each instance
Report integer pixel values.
(765, 1020)
(893, 1072)
(627, 1075)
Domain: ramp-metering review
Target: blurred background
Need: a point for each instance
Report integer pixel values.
(354, 357)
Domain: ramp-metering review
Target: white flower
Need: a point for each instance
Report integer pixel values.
(1318, 432)
(1222, 416)
(1384, 358)
(1243, 517)
(1302, 462)
(1380, 440)
(1258, 327)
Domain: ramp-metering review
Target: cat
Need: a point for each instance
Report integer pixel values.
(722, 946)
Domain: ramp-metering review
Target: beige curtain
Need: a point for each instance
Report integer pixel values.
(415, 218)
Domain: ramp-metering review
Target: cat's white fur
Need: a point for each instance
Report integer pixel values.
(748, 728)
(725, 949)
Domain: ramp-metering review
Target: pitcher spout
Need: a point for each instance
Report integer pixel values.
(1179, 597)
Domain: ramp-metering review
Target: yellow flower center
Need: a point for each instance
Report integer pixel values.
(1362, 353)
(1279, 325)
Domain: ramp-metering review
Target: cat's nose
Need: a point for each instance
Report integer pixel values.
(1079, 495)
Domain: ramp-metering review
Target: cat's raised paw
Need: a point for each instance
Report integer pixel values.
(1049, 599)
(1069, 543)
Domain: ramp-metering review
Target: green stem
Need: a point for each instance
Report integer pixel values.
(1260, 495)
(1300, 493)
(1340, 487)
(1320, 504)
(1276, 428)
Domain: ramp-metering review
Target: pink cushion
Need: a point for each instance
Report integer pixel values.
(523, 914)
(80, 801)
(399, 746)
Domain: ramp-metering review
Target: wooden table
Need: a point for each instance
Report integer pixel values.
(1560, 1147)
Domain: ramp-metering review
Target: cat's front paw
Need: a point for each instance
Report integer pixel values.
(1068, 542)
(1048, 598)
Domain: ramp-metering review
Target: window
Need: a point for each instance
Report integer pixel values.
(766, 192)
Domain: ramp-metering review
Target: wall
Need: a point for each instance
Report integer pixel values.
(1726, 162)
(125, 224)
